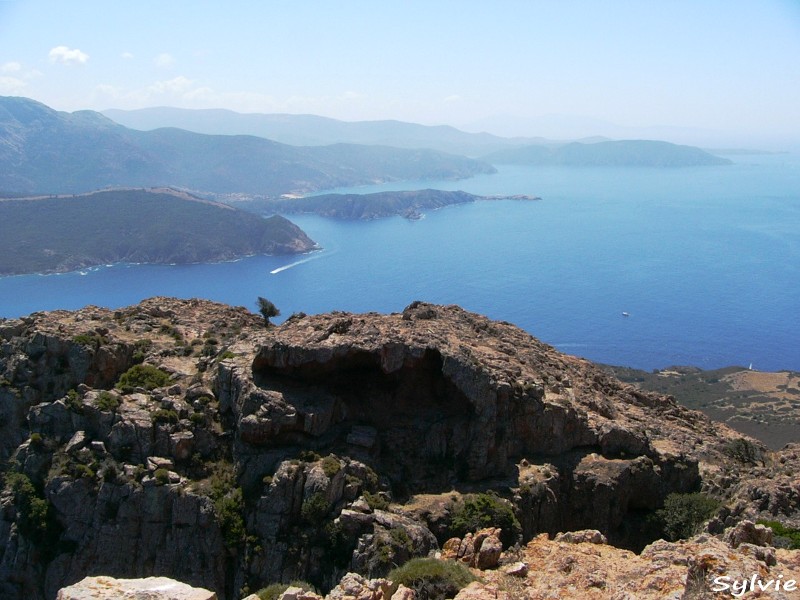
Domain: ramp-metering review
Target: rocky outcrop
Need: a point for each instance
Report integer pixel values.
(239, 455)
(151, 588)
(479, 396)
(695, 568)
(480, 550)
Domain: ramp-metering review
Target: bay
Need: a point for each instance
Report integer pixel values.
(706, 262)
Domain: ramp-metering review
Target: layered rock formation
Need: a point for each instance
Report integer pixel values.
(235, 456)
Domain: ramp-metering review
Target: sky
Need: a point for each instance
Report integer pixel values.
(726, 71)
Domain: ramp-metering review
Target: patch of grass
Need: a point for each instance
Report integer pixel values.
(274, 590)
(432, 579)
(787, 537)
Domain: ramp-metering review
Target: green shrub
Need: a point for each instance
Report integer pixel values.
(331, 466)
(161, 476)
(163, 415)
(309, 456)
(34, 514)
(140, 349)
(85, 471)
(110, 471)
(92, 340)
(74, 402)
(431, 578)
(683, 514)
(785, 537)
(744, 451)
(229, 509)
(315, 508)
(36, 440)
(477, 511)
(198, 418)
(143, 376)
(376, 501)
(392, 549)
(106, 401)
(228, 503)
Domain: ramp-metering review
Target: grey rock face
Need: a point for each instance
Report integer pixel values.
(273, 454)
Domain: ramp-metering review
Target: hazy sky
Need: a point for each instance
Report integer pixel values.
(730, 65)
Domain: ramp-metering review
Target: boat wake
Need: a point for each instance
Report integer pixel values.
(296, 263)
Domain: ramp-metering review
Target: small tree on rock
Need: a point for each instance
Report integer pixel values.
(267, 310)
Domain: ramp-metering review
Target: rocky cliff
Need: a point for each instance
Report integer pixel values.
(182, 438)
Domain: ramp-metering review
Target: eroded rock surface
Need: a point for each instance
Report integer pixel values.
(150, 588)
(329, 444)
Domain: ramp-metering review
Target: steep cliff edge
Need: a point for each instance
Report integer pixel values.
(182, 438)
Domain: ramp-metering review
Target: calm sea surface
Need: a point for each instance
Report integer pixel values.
(706, 262)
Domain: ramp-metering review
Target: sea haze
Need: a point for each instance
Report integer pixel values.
(706, 262)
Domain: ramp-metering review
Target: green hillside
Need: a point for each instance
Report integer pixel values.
(45, 151)
(55, 234)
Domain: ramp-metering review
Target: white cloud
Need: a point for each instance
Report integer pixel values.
(108, 90)
(164, 60)
(10, 67)
(200, 94)
(11, 85)
(351, 95)
(127, 55)
(68, 56)
(452, 99)
(172, 86)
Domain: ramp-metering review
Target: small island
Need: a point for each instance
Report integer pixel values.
(616, 153)
(365, 207)
(50, 234)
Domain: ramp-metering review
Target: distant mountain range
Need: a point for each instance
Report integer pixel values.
(315, 130)
(409, 204)
(622, 153)
(56, 234)
(45, 151)
(312, 130)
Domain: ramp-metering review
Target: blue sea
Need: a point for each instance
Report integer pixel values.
(705, 262)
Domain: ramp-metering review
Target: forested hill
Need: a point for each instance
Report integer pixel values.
(65, 233)
(46, 151)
